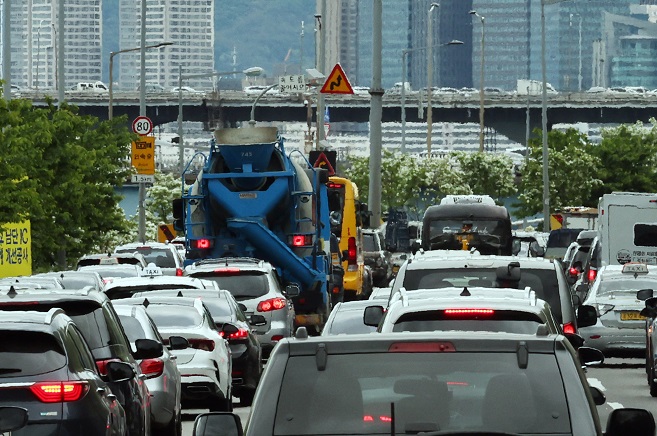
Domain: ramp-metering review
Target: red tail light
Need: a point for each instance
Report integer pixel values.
(239, 334)
(336, 289)
(301, 240)
(573, 272)
(58, 392)
(351, 251)
(422, 347)
(227, 271)
(152, 368)
(179, 272)
(102, 365)
(271, 304)
(469, 312)
(569, 328)
(591, 275)
(335, 185)
(202, 344)
(276, 338)
(203, 244)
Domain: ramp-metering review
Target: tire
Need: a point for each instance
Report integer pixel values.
(652, 384)
(173, 428)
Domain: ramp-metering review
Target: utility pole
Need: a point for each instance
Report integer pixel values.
(321, 67)
(376, 111)
(61, 54)
(142, 112)
(6, 48)
(301, 50)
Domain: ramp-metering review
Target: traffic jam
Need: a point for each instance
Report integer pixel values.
(284, 311)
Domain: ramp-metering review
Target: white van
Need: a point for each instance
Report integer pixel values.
(627, 224)
(96, 87)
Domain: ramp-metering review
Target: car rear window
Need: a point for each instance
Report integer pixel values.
(244, 285)
(166, 316)
(161, 257)
(25, 353)
(509, 321)
(349, 322)
(132, 328)
(455, 391)
(543, 281)
(368, 242)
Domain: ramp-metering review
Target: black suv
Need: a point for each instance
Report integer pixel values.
(377, 257)
(47, 368)
(432, 270)
(101, 328)
(434, 382)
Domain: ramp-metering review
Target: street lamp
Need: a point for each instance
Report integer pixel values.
(249, 72)
(405, 52)
(579, 70)
(481, 85)
(111, 70)
(429, 76)
(546, 179)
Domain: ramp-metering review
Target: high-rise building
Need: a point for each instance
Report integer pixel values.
(187, 24)
(34, 50)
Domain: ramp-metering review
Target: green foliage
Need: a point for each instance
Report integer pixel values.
(488, 173)
(59, 169)
(629, 153)
(572, 172)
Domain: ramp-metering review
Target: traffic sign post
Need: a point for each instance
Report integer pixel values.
(142, 126)
(143, 155)
(292, 83)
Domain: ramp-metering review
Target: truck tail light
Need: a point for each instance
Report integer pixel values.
(202, 344)
(569, 328)
(301, 240)
(351, 251)
(58, 392)
(271, 304)
(203, 244)
(152, 368)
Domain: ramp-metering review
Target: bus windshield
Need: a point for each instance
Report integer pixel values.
(487, 235)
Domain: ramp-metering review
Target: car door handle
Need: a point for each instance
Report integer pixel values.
(111, 397)
(101, 391)
(173, 357)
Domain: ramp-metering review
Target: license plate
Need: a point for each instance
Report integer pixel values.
(631, 316)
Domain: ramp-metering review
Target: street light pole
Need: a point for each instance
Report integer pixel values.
(38, 60)
(111, 71)
(579, 70)
(429, 76)
(481, 86)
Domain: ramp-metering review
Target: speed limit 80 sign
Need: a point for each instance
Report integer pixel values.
(142, 126)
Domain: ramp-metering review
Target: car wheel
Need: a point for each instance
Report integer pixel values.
(246, 398)
(221, 404)
(652, 384)
(173, 428)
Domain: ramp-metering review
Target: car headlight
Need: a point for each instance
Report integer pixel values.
(603, 308)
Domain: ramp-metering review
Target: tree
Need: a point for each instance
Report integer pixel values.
(63, 168)
(629, 153)
(572, 171)
(487, 173)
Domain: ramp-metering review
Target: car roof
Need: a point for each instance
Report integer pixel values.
(136, 245)
(30, 317)
(428, 261)
(146, 281)
(225, 262)
(156, 300)
(353, 305)
(49, 295)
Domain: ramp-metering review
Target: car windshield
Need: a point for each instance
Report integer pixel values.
(464, 391)
(369, 244)
(244, 285)
(625, 286)
(166, 316)
(25, 353)
(509, 321)
(543, 281)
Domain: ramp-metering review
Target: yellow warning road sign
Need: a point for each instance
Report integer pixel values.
(165, 232)
(337, 82)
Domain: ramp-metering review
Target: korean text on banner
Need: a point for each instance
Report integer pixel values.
(16, 249)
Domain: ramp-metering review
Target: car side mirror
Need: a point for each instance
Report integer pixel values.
(292, 290)
(590, 356)
(415, 247)
(644, 294)
(630, 421)
(217, 423)
(540, 251)
(651, 303)
(148, 349)
(257, 320)
(119, 371)
(12, 418)
(598, 397)
(373, 315)
(586, 316)
(516, 246)
(242, 307)
(228, 329)
(575, 340)
(178, 343)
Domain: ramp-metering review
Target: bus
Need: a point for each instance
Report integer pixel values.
(466, 222)
(348, 215)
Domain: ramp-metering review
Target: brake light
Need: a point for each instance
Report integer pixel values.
(591, 275)
(58, 392)
(335, 185)
(202, 244)
(351, 251)
(19, 303)
(179, 272)
(239, 334)
(102, 365)
(422, 347)
(143, 247)
(227, 271)
(469, 312)
(569, 328)
(271, 304)
(152, 368)
(301, 240)
(573, 271)
(202, 344)
(276, 338)
(384, 418)
(336, 289)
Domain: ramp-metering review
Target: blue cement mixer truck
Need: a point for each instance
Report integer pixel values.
(251, 199)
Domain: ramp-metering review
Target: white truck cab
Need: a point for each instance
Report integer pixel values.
(627, 224)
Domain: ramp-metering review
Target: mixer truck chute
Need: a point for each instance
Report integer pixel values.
(251, 199)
